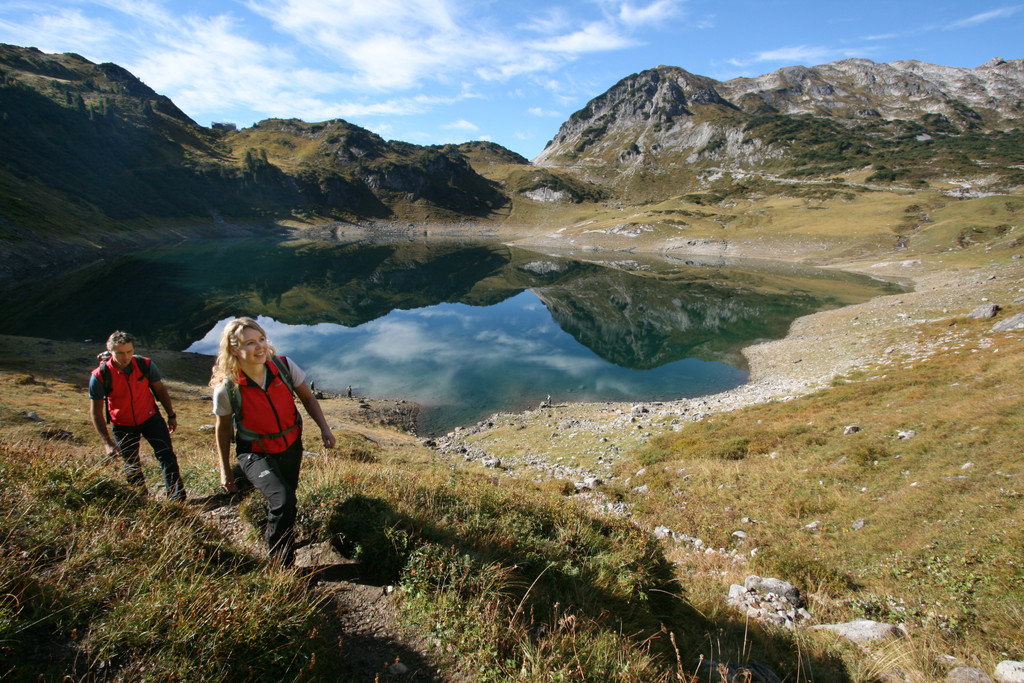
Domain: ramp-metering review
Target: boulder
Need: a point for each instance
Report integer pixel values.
(863, 630)
(317, 555)
(1015, 322)
(777, 586)
(1009, 671)
(984, 311)
(967, 674)
(769, 600)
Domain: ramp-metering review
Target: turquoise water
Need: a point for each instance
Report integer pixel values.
(461, 363)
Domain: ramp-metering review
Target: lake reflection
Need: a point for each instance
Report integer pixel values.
(461, 363)
(464, 329)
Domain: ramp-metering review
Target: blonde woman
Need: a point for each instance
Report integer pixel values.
(254, 404)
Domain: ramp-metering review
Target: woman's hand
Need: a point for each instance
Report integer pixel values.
(227, 480)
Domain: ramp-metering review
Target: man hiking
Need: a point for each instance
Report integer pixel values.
(122, 390)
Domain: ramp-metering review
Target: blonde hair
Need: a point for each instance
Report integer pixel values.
(226, 365)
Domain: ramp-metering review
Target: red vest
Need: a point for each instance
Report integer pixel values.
(268, 414)
(130, 401)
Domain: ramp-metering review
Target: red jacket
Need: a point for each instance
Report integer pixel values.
(130, 401)
(270, 419)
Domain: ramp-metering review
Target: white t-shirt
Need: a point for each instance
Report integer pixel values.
(222, 401)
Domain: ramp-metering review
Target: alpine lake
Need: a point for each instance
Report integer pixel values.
(463, 329)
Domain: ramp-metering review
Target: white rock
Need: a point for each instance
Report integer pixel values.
(863, 630)
(1009, 671)
(967, 674)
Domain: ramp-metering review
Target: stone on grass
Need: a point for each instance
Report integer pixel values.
(317, 555)
(984, 311)
(967, 674)
(863, 630)
(1009, 671)
(1015, 322)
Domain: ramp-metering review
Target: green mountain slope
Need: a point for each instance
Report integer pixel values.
(89, 146)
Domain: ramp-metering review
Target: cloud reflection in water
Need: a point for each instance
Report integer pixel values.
(462, 363)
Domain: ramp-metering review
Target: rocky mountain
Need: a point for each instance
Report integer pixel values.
(92, 155)
(909, 118)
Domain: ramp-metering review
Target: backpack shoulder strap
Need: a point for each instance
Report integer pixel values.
(235, 397)
(103, 373)
(108, 381)
(282, 367)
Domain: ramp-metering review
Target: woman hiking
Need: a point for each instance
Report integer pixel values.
(253, 401)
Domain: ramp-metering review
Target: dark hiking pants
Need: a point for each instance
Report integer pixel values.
(155, 431)
(277, 478)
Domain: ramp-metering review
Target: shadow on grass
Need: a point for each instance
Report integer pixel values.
(554, 564)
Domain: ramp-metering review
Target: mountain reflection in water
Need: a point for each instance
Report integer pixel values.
(463, 329)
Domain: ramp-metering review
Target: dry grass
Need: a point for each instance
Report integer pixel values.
(522, 581)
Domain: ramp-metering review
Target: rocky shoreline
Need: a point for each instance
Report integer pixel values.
(869, 336)
(874, 336)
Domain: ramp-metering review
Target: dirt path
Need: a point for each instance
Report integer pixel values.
(357, 607)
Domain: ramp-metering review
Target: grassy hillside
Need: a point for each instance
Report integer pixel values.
(90, 149)
(510, 573)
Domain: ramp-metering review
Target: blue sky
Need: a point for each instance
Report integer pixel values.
(508, 71)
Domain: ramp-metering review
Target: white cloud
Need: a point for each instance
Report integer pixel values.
(984, 17)
(318, 59)
(462, 125)
(550, 21)
(387, 44)
(67, 30)
(153, 13)
(798, 55)
(537, 111)
(806, 55)
(395, 44)
(653, 13)
(594, 37)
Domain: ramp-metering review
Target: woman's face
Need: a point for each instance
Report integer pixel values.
(252, 347)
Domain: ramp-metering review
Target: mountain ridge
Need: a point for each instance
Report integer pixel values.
(94, 133)
(96, 158)
(846, 113)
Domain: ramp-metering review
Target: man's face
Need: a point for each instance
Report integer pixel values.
(122, 355)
